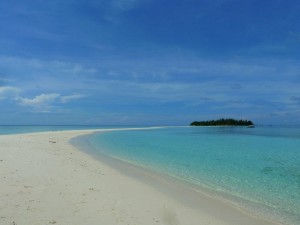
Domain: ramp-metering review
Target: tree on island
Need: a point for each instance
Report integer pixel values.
(223, 122)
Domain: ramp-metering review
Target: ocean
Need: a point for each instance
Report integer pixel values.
(256, 168)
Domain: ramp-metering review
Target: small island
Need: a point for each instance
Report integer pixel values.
(223, 122)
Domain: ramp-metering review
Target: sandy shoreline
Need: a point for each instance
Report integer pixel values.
(46, 180)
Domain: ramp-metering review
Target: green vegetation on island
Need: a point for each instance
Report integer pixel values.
(223, 122)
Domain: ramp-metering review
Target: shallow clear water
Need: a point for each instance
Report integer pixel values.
(258, 168)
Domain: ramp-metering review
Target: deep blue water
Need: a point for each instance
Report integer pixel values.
(257, 168)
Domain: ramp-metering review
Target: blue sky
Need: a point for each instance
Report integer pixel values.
(149, 62)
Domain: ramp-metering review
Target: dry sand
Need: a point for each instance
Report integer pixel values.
(45, 180)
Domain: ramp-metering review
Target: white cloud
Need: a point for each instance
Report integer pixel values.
(193, 82)
(68, 98)
(39, 100)
(46, 102)
(8, 92)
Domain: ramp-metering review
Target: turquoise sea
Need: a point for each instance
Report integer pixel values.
(259, 168)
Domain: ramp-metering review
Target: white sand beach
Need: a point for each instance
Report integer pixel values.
(46, 180)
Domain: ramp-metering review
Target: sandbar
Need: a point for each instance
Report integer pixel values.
(46, 180)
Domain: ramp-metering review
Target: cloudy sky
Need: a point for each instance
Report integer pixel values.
(152, 62)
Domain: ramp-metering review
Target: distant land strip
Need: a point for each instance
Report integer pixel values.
(223, 122)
